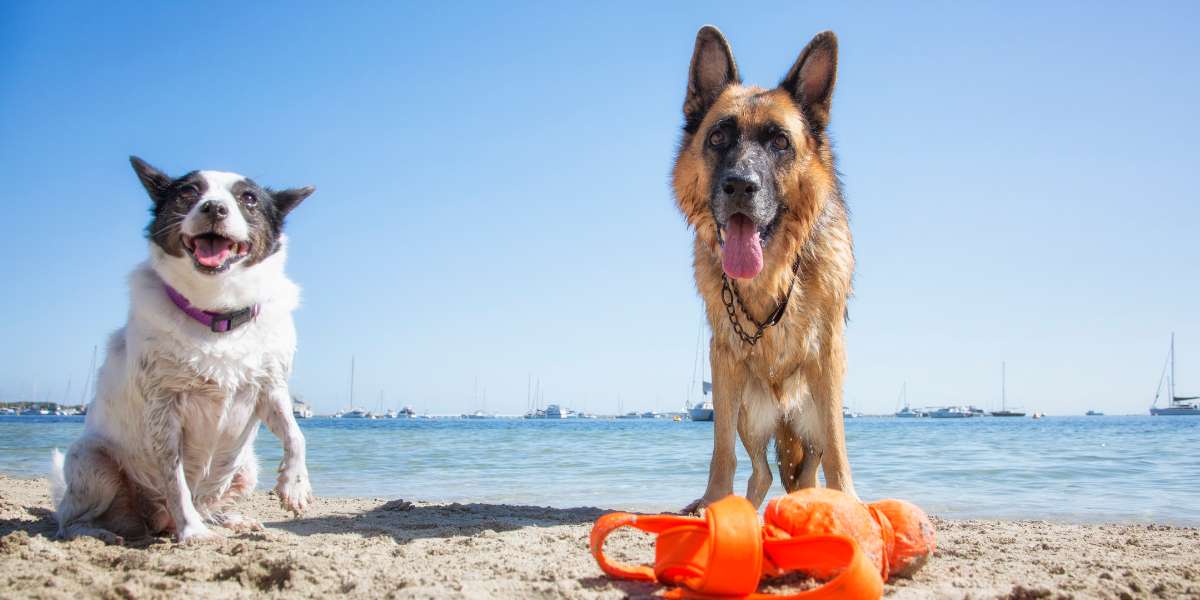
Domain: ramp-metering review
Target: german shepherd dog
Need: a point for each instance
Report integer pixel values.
(773, 258)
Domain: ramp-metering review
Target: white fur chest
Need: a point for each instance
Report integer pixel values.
(187, 354)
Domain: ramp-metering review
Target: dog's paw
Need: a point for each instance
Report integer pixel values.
(197, 534)
(110, 538)
(103, 535)
(294, 491)
(697, 506)
(237, 523)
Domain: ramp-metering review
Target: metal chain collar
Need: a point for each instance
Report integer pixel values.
(730, 294)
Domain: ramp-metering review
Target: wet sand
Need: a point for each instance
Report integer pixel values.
(389, 548)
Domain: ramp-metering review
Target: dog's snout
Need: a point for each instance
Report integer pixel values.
(216, 210)
(737, 186)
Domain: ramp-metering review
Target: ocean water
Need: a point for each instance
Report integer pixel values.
(1078, 469)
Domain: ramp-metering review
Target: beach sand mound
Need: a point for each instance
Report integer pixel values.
(375, 548)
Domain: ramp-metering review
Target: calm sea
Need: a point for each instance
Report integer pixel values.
(1061, 468)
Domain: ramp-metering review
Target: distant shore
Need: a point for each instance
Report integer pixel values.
(385, 548)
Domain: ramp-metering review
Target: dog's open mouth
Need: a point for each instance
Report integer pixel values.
(213, 253)
(742, 256)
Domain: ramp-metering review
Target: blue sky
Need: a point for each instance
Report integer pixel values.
(493, 195)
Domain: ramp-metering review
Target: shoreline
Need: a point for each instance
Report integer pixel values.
(376, 547)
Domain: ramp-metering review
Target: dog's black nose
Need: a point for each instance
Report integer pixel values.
(216, 210)
(736, 186)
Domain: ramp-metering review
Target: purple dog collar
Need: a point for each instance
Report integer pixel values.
(217, 322)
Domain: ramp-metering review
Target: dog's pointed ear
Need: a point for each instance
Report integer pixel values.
(712, 70)
(810, 81)
(156, 182)
(288, 200)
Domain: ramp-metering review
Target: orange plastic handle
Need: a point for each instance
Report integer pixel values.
(606, 524)
(859, 580)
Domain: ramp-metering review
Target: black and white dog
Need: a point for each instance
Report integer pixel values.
(205, 355)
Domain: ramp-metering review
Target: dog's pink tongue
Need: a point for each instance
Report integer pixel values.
(212, 252)
(743, 252)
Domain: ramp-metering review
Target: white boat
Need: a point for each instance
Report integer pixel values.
(907, 412)
(649, 415)
(356, 413)
(35, 412)
(479, 414)
(407, 413)
(952, 412)
(1177, 406)
(849, 414)
(7, 412)
(702, 411)
(555, 411)
(300, 410)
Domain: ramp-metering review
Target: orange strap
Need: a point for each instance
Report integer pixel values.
(722, 555)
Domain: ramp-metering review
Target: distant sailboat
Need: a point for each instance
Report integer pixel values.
(482, 412)
(703, 409)
(1004, 412)
(84, 400)
(353, 413)
(1176, 405)
(907, 412)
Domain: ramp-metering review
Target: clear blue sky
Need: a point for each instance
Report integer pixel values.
(493, 194)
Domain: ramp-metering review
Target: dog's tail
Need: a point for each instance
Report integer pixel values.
(58, 481)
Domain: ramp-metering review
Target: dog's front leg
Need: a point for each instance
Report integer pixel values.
(165, 438)
(827, 396)
(728, 384)
(293, 487)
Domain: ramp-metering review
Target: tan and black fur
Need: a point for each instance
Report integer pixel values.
(789, 384)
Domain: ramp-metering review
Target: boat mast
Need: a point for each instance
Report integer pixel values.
(695, 360)
(1171, 382)
(1003, 386)
(351, 382)
(87, 383)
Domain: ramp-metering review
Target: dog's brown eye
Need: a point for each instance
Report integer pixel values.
(189, 192)
(717, 138)
(781, 142)
(249, 199)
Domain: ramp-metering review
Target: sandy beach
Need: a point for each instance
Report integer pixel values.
(389, 548)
